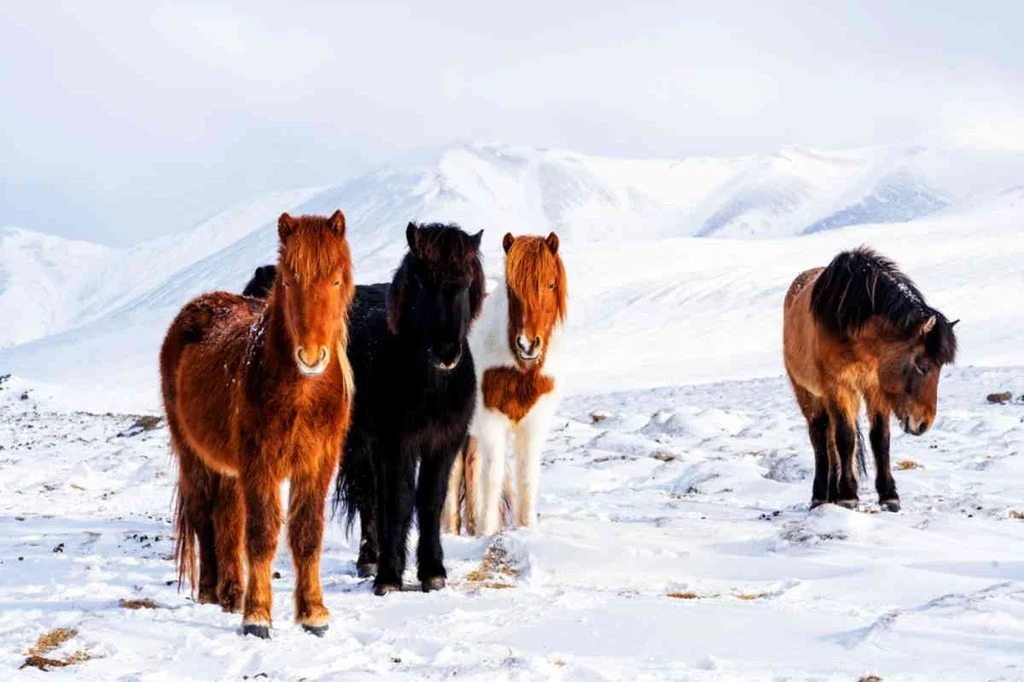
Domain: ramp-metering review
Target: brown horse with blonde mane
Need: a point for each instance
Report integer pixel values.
(255, 392)
(516, 346)
(860, 328)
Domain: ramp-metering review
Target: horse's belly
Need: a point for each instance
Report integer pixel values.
(205, 402)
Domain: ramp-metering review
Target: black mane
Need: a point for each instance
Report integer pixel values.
(861, 284)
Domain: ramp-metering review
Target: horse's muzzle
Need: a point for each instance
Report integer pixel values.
(447, 366)
(527, 350)
(315, 369)
(914, 428)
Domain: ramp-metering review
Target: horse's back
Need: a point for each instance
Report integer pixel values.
(803, 284)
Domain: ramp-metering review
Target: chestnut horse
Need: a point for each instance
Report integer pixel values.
(860, 328)
(516, 346)
(256, 392)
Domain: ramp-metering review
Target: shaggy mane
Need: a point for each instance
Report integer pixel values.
(530, 265)
(861, 284)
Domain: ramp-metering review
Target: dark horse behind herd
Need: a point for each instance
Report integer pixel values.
(415, 394)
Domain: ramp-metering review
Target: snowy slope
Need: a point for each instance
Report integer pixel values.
(588, 200)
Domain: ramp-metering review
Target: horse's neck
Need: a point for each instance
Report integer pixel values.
(489, 338)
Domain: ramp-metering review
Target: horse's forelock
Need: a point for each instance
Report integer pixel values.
(315, 249)
(530, 265)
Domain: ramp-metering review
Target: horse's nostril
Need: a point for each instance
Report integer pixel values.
(303, 357)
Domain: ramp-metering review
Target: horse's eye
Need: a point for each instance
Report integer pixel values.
(922, 370)
(337, 283)
(287, 282)
(551, 287)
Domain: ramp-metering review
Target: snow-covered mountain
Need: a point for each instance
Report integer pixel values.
(633, 233)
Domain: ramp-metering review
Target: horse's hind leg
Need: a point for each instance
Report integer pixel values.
(305, 538)
(197, 498)
(818, 429)
(451, 517)
(229, 533)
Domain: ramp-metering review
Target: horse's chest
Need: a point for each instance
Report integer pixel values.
(514, 393)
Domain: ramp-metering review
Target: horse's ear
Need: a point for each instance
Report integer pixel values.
(928, 325)
(954, 323)
(396, 297)
(476, 239)
(412, 235)
(338, 222)
(507, 241)
(285, 226)
(552, 242)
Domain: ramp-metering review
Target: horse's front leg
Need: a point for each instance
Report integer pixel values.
(530, 436)
(305, 538)
(430, 495)
(262, 525)
(843, 426)
(885, 484)
(396, 483)
(492, 436)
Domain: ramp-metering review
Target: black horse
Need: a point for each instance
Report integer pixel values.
(415, 395)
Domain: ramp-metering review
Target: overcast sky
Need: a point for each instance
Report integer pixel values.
(125, 120)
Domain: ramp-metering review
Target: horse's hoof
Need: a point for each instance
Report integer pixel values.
(366, 570)
(316, 630)
(817, 503)
(434, 584)
(890, 505)
(383, 589)
(848, 504)
(261, 631)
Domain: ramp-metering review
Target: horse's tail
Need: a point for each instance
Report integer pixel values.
(185, 533)
(193, 489)
(355, 488)
(862, 465)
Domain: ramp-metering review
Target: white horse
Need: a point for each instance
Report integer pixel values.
(515, 345)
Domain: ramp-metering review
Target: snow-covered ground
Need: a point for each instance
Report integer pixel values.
(674, 539)
(674, 543)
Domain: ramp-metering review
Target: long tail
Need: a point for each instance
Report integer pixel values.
(355, 487)
(185, 533)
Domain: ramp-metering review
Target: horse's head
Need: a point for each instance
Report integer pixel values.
(437, 291)
(908, 371)
(314, 287)
(537, 293)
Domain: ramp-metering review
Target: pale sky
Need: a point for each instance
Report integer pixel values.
(125, 120)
